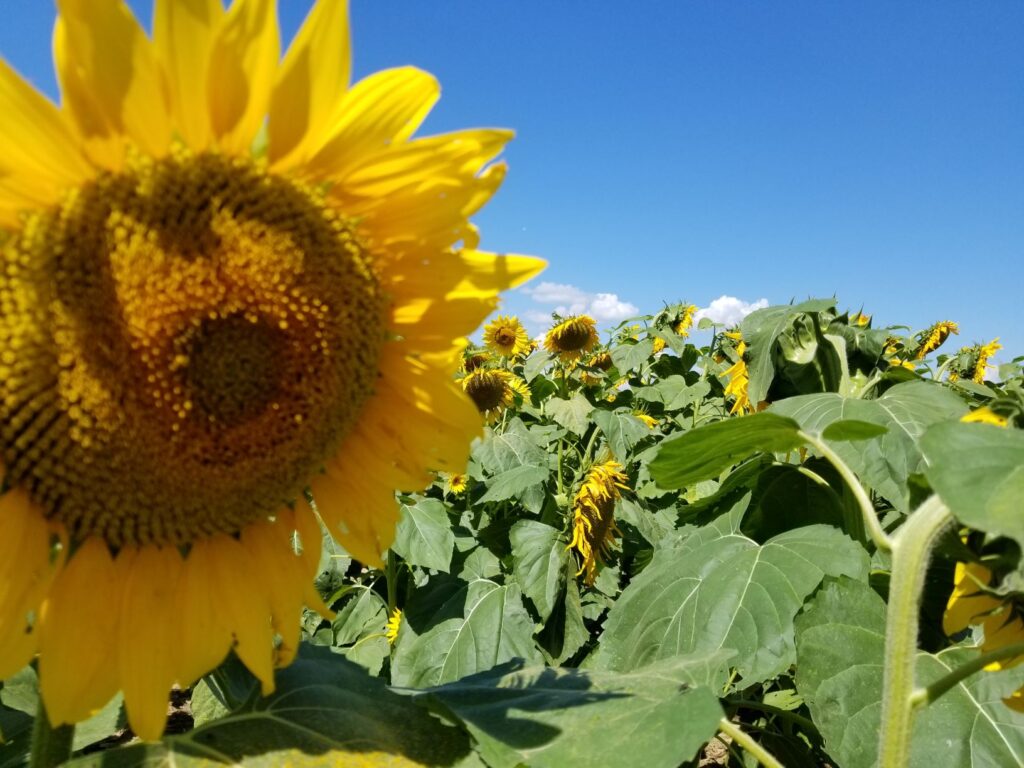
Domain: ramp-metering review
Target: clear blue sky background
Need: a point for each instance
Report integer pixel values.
(681, 150)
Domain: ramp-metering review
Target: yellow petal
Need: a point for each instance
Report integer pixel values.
(183, 33)
(382, 109)
(241, 73)
(313, 78)
(362, 513)
(25, 572)
(205, 639)
(78, 631)
(148, 637)
(246, 610)
(41, 154)
(110, 76)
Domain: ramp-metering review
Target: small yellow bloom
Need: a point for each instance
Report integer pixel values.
(985, 415)
(739, 378)
(970, 603)
(394, 624)
(860, 319)
(685, 322)
(593, 527)
(908, 364)
(456, 484)
(507, 336)
(935, 336)
(647, 419)
(659, 345)
(984, 353)
(573, 336)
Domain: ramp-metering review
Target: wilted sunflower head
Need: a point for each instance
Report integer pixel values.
(507, 336)
(192, 334)
(593, 509)
(493, 390)
(474, 359)
(572, 337)
(684, 320)
(739, 377)
(934, 337)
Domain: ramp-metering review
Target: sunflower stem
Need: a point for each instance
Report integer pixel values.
(924, 696)
(746, 741)
(911, 551)
(391, 577)
(51, 745)
(867, 509)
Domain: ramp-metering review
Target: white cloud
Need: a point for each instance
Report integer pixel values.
(728, 310)
(570, 300)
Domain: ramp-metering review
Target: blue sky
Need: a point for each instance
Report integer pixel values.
(682, 150)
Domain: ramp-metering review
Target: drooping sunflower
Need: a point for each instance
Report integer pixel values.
(934, 338)
(981, 365)
(199, 324)
(493, 390)
(593, 515)
(739, 378)
(971, 603)
(507, 336)
(394, 626)
(685, 320)
(572, 337)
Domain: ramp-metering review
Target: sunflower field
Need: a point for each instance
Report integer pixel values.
(797, 543)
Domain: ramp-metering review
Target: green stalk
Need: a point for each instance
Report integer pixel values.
(50, 746)
(924, 696)
(867, 509)
(743, 739)
(911, 550)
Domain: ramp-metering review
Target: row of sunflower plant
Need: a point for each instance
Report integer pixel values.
(787, 541)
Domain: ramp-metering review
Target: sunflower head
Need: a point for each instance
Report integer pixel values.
(394, 626)
(860, 319)
(474, 359)
(985, 415)
(572, 337)
(649, 421)
(593, 518)
(934, 338)
(506, 336)
(684, 320)
(192, 335)
(456, 483)
(659, 345)
(739, 377)
(494, 390)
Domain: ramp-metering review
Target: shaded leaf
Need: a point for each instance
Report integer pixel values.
(621, 430)
(540, 560)
(424, 535)
(512, 483)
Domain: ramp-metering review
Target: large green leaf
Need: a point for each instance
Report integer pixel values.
(494, 627)
(760, 329)
(622, 430)
(514, 482)
(424, 535)
(629, 356)
(564, 717)
(539, 562)
(886, 461)
(512, 448)
(573, 414)
(840, 647)
(707, 451)
(978, 471)
(325, 711)
(726, 592)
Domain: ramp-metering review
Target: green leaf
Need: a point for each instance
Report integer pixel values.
(494, 628)
(539, 563)
(512, 448)
(852, 429)
(707, 451)
(628, 356)
(514, 482)
(424, 535)
(535, 363)
(760, 329)
(564, 717)
(573, 414)
(978, 471)
(723, 591)
(885, 462)
(206, 706)
(564, 633)
(325, 711)
(622, 431)
(840, 647)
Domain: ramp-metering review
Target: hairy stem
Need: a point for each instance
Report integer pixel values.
(911, 550)
(930, 693)
(50, 746)
(751, 747)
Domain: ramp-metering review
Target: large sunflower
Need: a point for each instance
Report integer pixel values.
(200, 320)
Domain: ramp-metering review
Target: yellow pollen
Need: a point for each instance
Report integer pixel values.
(182, 345)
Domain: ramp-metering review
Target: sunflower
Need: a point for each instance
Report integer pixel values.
(860, 319)
(649, 421)
(593, 518)
(685, 320)
(493, 390)
(739, 378)
(194, 331)
(934, 337)
(659, 346)
(985, 352)
(985, 415)
(506, 336)
(394, 625)
(1002, 622)
(572, 337)
(456, 483)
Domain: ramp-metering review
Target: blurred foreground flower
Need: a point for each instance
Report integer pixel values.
(201, 320)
